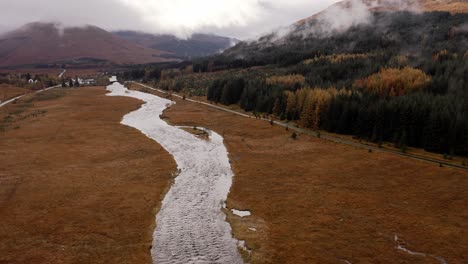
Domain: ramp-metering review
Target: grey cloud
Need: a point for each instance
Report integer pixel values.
(108, 14)
(114, 15)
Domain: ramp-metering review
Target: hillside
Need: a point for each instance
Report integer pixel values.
(398, 77)
(452, 6)
(197, 45)
(360, 26)
(47, 43)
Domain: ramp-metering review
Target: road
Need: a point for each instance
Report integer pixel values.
(327, 137)
(62, 73)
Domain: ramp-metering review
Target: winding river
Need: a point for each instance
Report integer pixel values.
(190, 227)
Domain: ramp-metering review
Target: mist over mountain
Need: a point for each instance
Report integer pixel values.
(355, 25)
(243, 19)
(360, 8)
(48, 43)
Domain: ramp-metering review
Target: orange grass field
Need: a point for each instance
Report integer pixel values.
(78, 187)
(314, 201)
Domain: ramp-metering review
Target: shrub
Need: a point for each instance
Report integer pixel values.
(294, 136)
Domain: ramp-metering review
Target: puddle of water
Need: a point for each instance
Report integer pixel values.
(190, 227)
(240, 213)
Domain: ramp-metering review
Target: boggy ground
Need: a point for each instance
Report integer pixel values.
(314, 201)
(76, 186)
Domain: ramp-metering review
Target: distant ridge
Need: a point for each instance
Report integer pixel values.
(198, 45)
(47, 43)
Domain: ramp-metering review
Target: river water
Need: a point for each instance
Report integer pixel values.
(190, 227)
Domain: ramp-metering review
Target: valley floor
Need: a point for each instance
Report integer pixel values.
(315, 201)
(76, 186)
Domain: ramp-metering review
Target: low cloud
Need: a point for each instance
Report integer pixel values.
(238, 18)
(103, 13)
(342, 17)
(339, 18)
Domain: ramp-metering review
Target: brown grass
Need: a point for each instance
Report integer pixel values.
(314, 201)
(8, 91)
(54, 72)
(76, 186)
(452, 6)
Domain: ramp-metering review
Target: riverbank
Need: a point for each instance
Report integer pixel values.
(76, 186)
(315, 201)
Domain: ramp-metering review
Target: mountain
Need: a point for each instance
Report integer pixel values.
(378, 73)
(351, 30)
(376, 21)
(49, 43)
(452, 6)
(197, 45)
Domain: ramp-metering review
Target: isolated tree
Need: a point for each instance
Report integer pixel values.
(294, 136)
(402, 143)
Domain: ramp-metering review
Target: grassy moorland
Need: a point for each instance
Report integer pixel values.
(76, 185)
(8, 91)
(314, 201)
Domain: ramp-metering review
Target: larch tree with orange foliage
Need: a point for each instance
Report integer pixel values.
(394, 82)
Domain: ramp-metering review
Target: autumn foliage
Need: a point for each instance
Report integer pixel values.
(378, 96)
(394, 82)
(337, 58)
(308, 104)
(292, 81)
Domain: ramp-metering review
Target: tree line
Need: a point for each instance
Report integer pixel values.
(394, 105)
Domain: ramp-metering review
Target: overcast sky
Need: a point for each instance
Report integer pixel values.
(243, 19)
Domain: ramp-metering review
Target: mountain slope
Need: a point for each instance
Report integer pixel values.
(46, 43)
(197, 45)
(338, 29)
(452, 6)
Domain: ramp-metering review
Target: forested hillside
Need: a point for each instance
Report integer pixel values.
(401, 78)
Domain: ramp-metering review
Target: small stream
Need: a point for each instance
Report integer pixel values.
(401, 247)
(190, 227)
